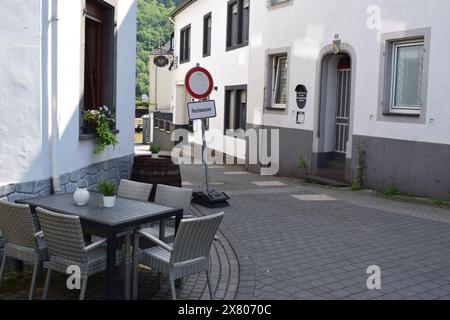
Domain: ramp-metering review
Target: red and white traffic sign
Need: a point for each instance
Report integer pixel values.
(199, 83)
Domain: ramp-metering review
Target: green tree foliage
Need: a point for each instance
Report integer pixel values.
(153, 30)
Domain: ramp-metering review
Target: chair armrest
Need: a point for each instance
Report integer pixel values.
(95, 245)
(154, 239)
(186, 216)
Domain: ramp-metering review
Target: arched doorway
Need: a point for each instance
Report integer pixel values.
(334, 128)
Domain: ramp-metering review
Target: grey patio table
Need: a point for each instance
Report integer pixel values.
(127, 215)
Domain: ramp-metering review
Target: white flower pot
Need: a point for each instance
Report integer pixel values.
(109, 202)
(155, 155)
(81, 196)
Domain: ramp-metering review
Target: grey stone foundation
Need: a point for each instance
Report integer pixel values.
(295, 144)
(413, 167)
(114, 170)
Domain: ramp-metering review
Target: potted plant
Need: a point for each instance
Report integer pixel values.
(103, 121)
(155, 149)
(108, 189)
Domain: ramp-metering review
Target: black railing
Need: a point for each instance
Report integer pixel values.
(163, 121)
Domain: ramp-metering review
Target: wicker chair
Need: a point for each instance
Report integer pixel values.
(178, 198)
(22, 241)
(66, 247)
(188, 255)
(134, 190)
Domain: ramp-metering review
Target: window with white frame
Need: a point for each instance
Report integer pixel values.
(406, 75)
(404, 72)
(277, 81)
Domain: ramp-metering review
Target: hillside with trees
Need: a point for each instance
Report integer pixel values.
(153, 30)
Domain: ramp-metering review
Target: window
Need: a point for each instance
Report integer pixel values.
(238, 24)
(403, 85)
(277, 81)
(99, 59)
(406, 76)
(207, 21)
(235, 108)
(185, 44)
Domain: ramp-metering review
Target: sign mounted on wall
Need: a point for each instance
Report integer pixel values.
(202, 110)
(161, 61)
(199, 83)
(302, 96)
(300, 117)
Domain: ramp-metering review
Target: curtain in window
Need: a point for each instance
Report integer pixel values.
(408, 81)
(281, 81)
(234, 24)
(245, 20)
(93, 65)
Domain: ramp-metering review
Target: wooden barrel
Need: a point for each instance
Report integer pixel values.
(156, 171)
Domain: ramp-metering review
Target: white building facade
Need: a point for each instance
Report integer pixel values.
(201, 38)
(375, 76)
(59, 58)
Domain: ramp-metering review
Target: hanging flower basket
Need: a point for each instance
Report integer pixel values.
(102, 119)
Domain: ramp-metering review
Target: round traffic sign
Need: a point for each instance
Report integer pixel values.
(199, 83)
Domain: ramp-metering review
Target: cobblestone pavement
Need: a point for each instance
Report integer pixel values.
(300, 241)
(282, 239)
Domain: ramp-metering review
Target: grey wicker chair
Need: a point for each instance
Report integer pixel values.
(188, 255)
(64, 237)
(22, 240)
(134, 190)
(178, 198)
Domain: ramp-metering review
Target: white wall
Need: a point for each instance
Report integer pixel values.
(24, 121)
(308, 26)
(160, 86)
(73, 154)
(21, 130)
(227, 68)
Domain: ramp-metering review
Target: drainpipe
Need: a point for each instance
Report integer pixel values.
(53, 61)
(173, 84)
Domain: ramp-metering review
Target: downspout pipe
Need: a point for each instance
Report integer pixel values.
(54, 125)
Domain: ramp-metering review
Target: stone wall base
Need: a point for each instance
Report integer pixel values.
(114, 170)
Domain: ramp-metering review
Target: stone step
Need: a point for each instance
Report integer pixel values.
(327, 181)
(336, 164)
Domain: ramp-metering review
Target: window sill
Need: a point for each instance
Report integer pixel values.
(410, 114)
(272, 108)
(91, 136)
(205, 55)
(185, 61)
(279, 5)
(237, 46)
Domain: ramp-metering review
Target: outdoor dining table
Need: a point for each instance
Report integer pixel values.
(127, 215)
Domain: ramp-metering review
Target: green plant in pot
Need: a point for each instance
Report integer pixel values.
(103, 121)
(108, 189)
(155, 149)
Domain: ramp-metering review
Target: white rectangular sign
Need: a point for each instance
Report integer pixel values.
(202, 110)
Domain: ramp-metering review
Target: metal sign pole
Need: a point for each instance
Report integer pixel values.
(199, 84)
(205, 156)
